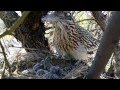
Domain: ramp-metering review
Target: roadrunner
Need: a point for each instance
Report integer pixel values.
(67, 38)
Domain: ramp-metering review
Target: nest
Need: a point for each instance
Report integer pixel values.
(25, 63)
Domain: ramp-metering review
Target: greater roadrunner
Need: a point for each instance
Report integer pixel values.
(67, 38)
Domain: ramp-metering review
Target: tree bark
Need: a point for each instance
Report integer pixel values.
(114, 67)
(31, 31)
(108, 42)
(100, 19)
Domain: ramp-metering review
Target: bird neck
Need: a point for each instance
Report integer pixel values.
(66, 36)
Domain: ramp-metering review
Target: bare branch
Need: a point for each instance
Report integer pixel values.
(5, 59)
(100, 19)
(16, 25)
(108, 42)
(84, 20)
(3, 73)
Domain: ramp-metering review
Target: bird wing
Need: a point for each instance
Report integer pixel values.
(88, 41)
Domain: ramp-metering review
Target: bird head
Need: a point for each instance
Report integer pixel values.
(57, 19)
(55, 16)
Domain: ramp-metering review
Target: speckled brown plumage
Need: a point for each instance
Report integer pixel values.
(67, 38)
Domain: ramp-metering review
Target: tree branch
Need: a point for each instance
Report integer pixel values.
(5, 60)
(3, 73)
(16, 25)
(110, 39)
(100, 19)
(84, 20)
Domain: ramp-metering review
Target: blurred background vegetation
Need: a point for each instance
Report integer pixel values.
(14, 49)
